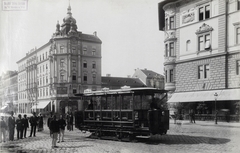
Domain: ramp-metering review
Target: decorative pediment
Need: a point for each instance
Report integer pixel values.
(170, 36)
(204, 28)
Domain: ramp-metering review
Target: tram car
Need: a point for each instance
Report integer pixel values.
(126, 112)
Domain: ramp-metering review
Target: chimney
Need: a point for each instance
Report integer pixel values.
(108, 75)
(95, 33)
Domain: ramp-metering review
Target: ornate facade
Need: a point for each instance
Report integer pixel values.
(50, 75)
(202, 50)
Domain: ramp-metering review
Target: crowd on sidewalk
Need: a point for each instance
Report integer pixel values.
(36, 124)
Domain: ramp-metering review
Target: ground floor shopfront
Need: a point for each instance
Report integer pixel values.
(205, 104)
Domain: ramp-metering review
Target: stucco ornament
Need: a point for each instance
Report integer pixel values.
(204, 28)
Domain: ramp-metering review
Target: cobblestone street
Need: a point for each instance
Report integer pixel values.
(183, 137)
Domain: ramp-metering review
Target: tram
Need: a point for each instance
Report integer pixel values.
(126, 112)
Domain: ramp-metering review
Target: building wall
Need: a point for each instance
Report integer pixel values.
(233, 77)
(187, 75)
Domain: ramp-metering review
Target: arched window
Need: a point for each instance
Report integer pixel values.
(188, 45)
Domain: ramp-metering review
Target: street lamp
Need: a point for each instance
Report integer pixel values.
(215, 96)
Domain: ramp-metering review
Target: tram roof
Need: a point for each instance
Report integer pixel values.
(143, 90)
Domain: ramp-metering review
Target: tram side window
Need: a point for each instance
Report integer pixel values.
(106, 103)
(146, 100)
(116, 103)
(126, 102)
(137, 102)
(96, 103)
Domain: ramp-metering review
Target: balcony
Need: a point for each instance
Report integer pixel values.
(170, 59)
(170, 86)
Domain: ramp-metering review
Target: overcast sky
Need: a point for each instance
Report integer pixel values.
(128, 30)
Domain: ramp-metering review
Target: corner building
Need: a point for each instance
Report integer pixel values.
(50, 75)
(202, 54)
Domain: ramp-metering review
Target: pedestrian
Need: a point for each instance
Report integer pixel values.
(62, 124)
(25, 125)
(190, 116)
(40, 123)
(3, 126)
(33, 122)
(49, 121)
(71, 121)
(11, 126)
(19, 127)
(54, 130)
(193, 116)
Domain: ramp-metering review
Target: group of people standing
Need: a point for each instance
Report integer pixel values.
(21, 124)
(57, 127)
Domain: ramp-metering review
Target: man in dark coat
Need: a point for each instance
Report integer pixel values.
(33, 122)
(11, 126)
(26, 125)
(62, 124)
(54, 130)
(49, 121)
(20, 126)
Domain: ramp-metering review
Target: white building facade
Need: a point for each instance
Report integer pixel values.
(202, 52)
(50, 75)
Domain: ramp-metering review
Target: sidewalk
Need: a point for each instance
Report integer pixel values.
(208, 123)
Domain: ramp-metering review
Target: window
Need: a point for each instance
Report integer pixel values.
(166, 76)
(46, 80)
(61, 77)
(46, 55)
(74, 78)
(171, 75)
(94, 65)
(42, 56)
(73, 63)
(203, 71)
(204, 12)
(94, 78)
(74, 91)
(238, 67)
(85, 78)
(61, 49)
(238, 5)
(84, 51)
(46, 91)
(85, 64)
(166, 50)
(171, 22)
(204, 42)
(94, 51)
(74, 50)
(43, 68)
(188, 45)
(62, 62)
(46, 66)
(169, 50)
(171, 45)
(238, 35)
(40, 81)
(166, 24)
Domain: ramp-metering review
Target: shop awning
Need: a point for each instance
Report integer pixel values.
(200, 96)
(41, 105)
(4, 107)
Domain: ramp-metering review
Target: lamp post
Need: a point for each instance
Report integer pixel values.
(215, 96)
